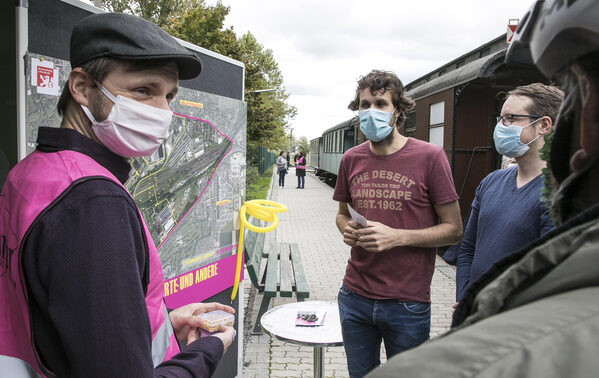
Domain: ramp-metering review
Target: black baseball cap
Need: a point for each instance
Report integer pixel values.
(123, 36)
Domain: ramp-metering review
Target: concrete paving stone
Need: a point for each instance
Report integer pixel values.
(336, 367)
(276, 366)
(289, 361)
(339, 359)
(259, 348)
(279, 373)
(255, 374)
(263, 357)
(302, 355)
(283, 347)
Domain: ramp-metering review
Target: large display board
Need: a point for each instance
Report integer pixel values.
(188, 192)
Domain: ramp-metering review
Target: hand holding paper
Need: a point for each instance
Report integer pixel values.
(356, 217)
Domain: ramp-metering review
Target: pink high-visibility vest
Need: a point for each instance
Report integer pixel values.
(32, 187)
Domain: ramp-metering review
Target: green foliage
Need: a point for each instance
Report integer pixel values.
(257, 185)
(547, 190)
(304, 144)
(268, 112)
(203, 26)
(157, 11)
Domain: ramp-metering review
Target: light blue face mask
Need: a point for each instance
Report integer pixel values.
(374, 124)
(507, 140)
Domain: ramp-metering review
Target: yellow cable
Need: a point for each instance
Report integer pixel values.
(261, 209)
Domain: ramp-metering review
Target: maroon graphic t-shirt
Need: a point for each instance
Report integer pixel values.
(398, 190)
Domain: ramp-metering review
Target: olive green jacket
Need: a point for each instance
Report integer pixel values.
(535, 314)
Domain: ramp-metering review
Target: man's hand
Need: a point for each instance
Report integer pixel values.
(226, 335)
(378, 237)
(349, 237)
(185, 322)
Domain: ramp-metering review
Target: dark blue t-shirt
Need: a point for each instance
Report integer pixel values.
(503, 219)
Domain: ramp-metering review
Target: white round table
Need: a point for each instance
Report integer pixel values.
(280, 323)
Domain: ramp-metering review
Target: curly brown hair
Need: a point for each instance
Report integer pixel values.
(380, 82)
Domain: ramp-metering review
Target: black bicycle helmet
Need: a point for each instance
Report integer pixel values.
(555, 33)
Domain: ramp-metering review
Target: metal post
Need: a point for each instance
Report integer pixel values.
(318, 362)
(22, 43)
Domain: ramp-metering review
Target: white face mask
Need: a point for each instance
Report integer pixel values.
(132, 128)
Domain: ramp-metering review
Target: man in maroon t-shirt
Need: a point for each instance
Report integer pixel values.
(404, 188)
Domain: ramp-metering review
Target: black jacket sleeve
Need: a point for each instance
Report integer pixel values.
(85, 265)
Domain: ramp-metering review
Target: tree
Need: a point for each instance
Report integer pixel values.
(304, 144)
(157, 11)
(203, 26)
(268, 113)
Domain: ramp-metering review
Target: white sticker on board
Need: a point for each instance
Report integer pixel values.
(44, 76)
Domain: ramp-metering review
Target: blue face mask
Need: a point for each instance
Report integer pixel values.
(507, 140)
(374, 124)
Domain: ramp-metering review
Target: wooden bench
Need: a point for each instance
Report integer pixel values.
(283, 272)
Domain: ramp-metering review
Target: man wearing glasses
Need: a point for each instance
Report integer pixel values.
(507, 212)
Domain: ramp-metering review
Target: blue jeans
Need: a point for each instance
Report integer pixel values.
(300, 181)
(365, 322)
(282, 178)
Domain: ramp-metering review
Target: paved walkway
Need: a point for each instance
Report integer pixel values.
(310, 222)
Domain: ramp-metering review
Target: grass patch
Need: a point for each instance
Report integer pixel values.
(257, 185)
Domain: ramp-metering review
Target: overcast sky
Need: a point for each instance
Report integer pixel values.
(323, 47)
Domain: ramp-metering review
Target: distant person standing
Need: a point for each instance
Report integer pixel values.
(281, 168)
(507, 212)
(404, 188)
(288, 157)
(300, 169)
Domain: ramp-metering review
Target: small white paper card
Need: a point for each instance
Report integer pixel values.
(356, 217)
(44, 76)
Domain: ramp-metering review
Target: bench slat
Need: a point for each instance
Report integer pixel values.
(301, 284)
(286, 289)
(270, 286)
(253, 247)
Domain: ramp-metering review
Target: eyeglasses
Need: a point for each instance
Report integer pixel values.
(508, 119)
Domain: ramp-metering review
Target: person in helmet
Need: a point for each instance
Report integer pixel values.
(536, 313)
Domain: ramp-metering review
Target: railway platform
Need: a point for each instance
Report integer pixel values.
(310, 222)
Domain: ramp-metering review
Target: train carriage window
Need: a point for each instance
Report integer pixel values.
(435, 135)
(331, 140)
(334, 143)
(436, 123)
(333, 137)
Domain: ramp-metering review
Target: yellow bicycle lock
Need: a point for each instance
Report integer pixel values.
(261, 209)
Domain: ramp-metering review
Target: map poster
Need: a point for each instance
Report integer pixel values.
(189, 192)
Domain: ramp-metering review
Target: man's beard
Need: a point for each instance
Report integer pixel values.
(388, 140)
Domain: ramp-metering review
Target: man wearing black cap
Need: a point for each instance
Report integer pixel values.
(536, 313)
(80, 280)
